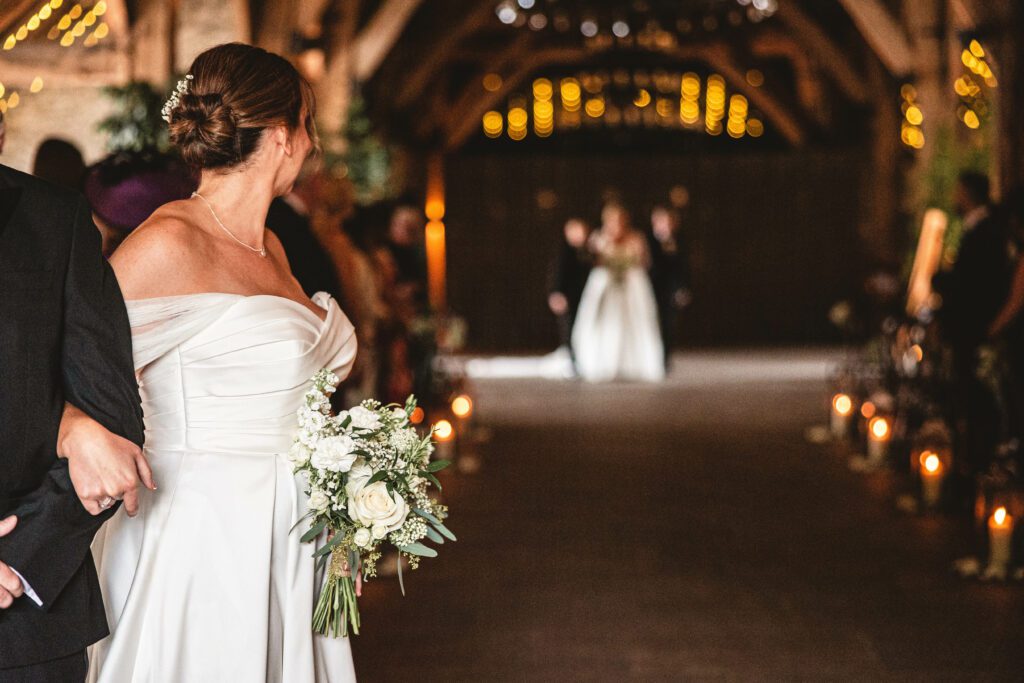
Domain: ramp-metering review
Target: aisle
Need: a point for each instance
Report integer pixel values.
(684, 532)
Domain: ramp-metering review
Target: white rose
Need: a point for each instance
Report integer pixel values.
(362, 538)
(358, 476)
(299, 453)
(318, 500)
(374, 507)
(364, 418)
(334, 454)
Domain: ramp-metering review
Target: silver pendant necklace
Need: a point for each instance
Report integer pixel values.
(262, 251)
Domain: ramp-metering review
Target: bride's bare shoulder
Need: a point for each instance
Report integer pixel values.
(157, 255)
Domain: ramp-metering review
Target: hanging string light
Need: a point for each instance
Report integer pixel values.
(973, 85)
(911, 133)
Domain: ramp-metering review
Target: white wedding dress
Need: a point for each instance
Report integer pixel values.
(210, 581)
(616, 334)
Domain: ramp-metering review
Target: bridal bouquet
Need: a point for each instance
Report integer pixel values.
(368, 475)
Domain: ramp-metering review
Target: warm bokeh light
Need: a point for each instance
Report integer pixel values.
(37, 84)
(443, 430)
(867, 410)
(1000, 516)
(543, 89)
(842, 404)
(879, 428)
(918, 352)
(755, 78)
(494, 124)
(462, 406)
(930, 462)
(595, 107)
(642, 99)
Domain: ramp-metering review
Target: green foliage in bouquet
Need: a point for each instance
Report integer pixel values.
(135, 125)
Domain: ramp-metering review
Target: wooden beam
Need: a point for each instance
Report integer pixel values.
(720, 58)
(883, 33)
(98, 67)
(832, 60)
(464, 121)
(498, 62)
(335, 88)
(277, 25)
(434, 58)
(11, 13)
(809, 88)
(380, 35)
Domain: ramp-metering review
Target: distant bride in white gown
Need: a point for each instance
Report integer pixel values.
(210, 581)
(616, 335)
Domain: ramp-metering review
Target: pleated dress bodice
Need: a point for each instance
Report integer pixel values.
(210, 581)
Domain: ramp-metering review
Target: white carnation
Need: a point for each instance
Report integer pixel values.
(334, 454)
(299, 454)
(364, 418)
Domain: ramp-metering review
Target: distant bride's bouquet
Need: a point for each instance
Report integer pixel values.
(368, 475)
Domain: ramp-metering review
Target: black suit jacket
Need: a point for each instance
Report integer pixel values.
(974, 290)
(570, 272)
(670, 269)
(64, 335)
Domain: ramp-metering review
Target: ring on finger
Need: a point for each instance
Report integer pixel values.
(106, 503)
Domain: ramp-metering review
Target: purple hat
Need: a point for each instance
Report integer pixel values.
(125, 189)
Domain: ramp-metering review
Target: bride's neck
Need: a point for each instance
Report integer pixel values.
(241, 201)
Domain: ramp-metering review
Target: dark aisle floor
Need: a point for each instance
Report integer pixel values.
(683, 532)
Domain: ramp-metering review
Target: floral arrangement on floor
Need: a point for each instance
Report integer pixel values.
(368, 474)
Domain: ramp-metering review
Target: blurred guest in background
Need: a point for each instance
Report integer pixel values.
(123, 189)
(289, 218)
(670, 272)
(59, 162)
(972, 292)
(569, 277)
(616, 334)
(403, 244)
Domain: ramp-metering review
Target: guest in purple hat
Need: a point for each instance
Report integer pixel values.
(125, 188)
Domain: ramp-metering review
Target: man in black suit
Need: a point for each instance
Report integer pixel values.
(67, 387)
(569, 277)
(670, 272)
(972, 292)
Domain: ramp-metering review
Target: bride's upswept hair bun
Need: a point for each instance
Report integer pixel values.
(236, 92)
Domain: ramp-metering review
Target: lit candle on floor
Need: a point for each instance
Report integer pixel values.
(932, 475)
(1000, 537)
(879, 433)
(842, 410)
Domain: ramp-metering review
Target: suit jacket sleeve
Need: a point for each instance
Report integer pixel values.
(54, 531)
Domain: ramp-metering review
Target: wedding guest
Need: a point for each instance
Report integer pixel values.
(972, 292)
(289, 218)
(404, 245)
(125, 188)
(670, 272)
(59, 162)
(569, 277)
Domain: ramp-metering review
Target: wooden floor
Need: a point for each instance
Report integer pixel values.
(684, 532)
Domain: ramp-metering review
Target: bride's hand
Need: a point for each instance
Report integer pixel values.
(104, 467)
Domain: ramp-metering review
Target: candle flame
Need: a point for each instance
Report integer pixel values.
(843, 404)
(462, 406)
(443, 430)
(879, 428)
(930, 462)
(999, 516)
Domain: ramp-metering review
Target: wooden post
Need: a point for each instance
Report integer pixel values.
(1010, 135)
(335, 88)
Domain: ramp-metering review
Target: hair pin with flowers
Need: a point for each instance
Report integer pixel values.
(171, 103)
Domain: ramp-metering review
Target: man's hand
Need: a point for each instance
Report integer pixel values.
(10, 584)
(104, 467)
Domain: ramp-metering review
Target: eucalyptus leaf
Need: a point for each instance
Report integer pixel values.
(432, 478)
(401, 582)
(434, 536)
(438, 465)
(419, 549)
(314, 531)
(444, 530)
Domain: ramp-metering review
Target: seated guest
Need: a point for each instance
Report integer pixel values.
(59, 162)
(125, 188)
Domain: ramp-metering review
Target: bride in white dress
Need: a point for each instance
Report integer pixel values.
(616, 335)
(210, 581)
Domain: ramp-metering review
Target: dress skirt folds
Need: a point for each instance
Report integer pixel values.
(210, 581)
(616, 335)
